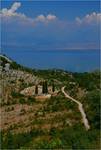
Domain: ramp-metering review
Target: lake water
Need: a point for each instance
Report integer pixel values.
(71, 60)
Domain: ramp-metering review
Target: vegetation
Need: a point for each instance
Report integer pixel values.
(56, 122)
(10, 141)
(17, 66)
(16, 94)
(68, 138)
(92, 107)
(59, 103)
(89, 81)
(44, 87)
(30, 100)
(53, 87)
(36, 89)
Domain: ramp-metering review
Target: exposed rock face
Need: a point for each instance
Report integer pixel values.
(13, 80)
(30, 91)
(7, 67)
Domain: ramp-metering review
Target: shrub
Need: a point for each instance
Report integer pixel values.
(16, 94)
(22, 101)
(30, 100)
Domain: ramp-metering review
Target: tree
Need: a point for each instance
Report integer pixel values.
(36, 89)
(44, 88)
(53, 87)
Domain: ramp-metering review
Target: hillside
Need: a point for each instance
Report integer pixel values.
(28, 122)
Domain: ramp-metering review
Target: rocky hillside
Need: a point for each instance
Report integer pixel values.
(54, 123)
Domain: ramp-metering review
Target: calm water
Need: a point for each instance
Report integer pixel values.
(71, 60)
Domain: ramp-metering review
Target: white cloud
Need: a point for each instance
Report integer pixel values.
(89, 18)
(14, 7)
(45, 19)
(40, 18)
(12, 11)
(51, 17)
(9, 13)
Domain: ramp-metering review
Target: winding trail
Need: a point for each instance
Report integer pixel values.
(80, 107)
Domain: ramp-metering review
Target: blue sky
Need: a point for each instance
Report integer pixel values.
(50, 24)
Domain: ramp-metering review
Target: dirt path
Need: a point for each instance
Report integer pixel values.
(80, 107)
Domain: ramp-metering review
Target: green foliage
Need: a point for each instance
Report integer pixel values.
(31, 100)
(92, 107)
(68, 138)
(89, 81)
(60, 103)
(45, 144)
(15, 141)
(53, 87)
(23, 85)
(14, 65)
(77, 138)
(4, 61)
(45, 87)
(36, 89)
(16, 94)
(22, 101)
(59, 77)
(17, 66)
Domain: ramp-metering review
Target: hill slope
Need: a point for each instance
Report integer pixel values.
(51, 123)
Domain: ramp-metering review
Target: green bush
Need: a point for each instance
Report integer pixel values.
(22, 101)
(92, 108)
(16, 94)
(31, 100)
(15, 141)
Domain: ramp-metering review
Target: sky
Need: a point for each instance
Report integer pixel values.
(29, 27)
(50, 24)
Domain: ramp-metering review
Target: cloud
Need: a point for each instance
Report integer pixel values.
(40, 18)
(46, 19)
(11, 14)
(12, 11)
(89, 18)
(14, 7)
(51, 17)
(14, 17)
